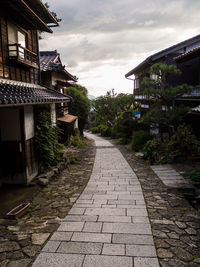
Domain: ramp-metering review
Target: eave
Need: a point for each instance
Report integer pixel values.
(24, 15)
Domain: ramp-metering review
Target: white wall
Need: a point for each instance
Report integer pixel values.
(53, 114)
(29, 122)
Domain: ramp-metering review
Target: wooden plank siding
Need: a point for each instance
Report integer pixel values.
(11, 69)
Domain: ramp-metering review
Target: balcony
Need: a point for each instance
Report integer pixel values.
(22, 55)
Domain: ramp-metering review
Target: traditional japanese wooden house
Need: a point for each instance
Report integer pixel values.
(20, 90)
(185, 56)
(189, 63)
(166, 56)
(55, 76)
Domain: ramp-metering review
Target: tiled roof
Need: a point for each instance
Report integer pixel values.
(68, 118)
(189, 54)
(50, 61)
(153, 58)
(20, 93)
(195, 93)
(196, 109)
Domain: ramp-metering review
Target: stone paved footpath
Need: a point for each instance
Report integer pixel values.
(108, 225)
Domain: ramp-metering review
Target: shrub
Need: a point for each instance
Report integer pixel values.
(104, 130)
(195, 175)
(76, 141)
(94, 129)
(124, 125)
(139, 139)
(156, 151)
(181, 142)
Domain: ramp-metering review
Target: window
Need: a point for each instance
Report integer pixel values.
(154, 77)
(16, 36)
(136, 83)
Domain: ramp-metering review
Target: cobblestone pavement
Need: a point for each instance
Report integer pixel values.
(108, 225)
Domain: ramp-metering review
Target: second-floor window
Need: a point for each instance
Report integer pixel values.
(16, 36)
(136, 84)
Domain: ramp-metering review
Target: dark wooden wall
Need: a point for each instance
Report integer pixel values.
(11, 70)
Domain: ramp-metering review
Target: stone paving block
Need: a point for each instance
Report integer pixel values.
(135, 193)
(84, 201)
(114, 249)
(140, 202)
(51, 246)
(131, 197)
(58, 260)
(146, 262)
(107, 261)
(122, 202)
(118, 192)
(80, 248)
(85, 196)
(129, 228)
(131, 206)
(140, 251)
(104, 187)
(104, 197)
(92, 227)
(132, 239)
(79, 211)
(61, 236)
(120, 188)
(100, 201)
(109, 206)
(137, 212)
(105, 211)
(97, 192)
(106, 218)
(141, 219)
(71, 226)
(94, 205)
(126, 183)
(92, 237)
(80, 218)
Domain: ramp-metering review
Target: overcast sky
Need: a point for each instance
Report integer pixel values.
(101, 40)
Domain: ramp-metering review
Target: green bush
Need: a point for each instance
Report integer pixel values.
(95, 129)
(156, 151)
(76, 141)
(124, 125)
(139, 139)
(182, 141)
(104, 130)
(195, 175)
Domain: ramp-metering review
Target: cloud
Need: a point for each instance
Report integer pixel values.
(97, 38)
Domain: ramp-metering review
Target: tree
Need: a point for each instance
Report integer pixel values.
(81, 88)
(108, 107)
(161, 96)
(80, 107)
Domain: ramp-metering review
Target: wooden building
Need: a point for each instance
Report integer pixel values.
(185, 56)
(55, 76)
(189, 64)
(20, 90)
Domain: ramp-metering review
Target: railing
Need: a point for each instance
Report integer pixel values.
(22, 55)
